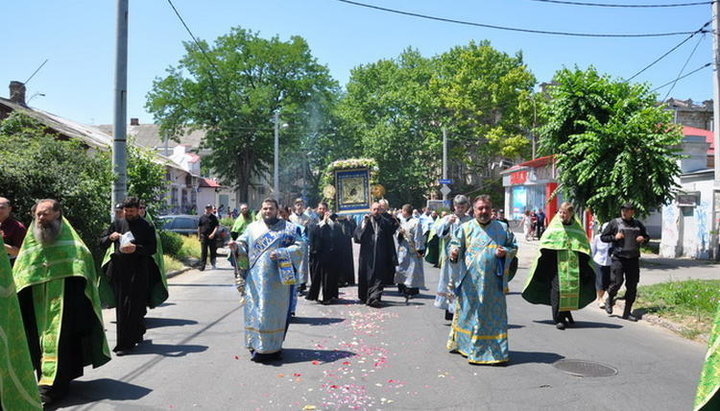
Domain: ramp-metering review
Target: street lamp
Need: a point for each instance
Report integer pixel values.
(276, 165)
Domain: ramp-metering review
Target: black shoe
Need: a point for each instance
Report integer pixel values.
(629, 317)
(560, 326)
(375, 304)
(448, 315)
(609, 305)
(570, 318)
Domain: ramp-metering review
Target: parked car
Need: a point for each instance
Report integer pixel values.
(182, 224)
(188, 225)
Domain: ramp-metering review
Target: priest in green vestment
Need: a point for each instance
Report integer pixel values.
(707, 397)
(55, 278)
(18, 386)
(562, 275)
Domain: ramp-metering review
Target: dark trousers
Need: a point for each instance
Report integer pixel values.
(131, 293)
(205, 245)
(624, 270)
(370, 291)
(322, 277)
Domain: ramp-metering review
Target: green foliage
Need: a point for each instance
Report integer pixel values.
(36, 165)
(394, 111)
(232, 90)
(172, 264)
(227, 221)
(190, 247)
(172, 243)
(611, 141)
(145, 176)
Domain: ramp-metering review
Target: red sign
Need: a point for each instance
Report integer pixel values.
(518, 177)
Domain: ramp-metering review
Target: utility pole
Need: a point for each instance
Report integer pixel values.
(716, 125)
(276, 165)
(119, 149)
(445, 191)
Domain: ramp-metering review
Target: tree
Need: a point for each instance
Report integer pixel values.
(145, 176)
(486, 94)
(231, 91)
(391, 115)
(394, 111)
(612, 142)
(37, 165)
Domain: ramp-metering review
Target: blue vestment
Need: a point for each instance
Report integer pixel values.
(479, 329)
(269, 287)
(444, 230)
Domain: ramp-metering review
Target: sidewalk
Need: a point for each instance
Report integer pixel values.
(653, 269)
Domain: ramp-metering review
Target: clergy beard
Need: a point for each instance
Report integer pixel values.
(271, 221)
(484, 219)
(47, 234)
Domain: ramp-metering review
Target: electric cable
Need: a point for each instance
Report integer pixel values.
(516, 29)
(681, 77)
(683, 67)
(700, 30)
(648, 6)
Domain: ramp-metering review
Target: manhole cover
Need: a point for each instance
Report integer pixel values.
(582, 368)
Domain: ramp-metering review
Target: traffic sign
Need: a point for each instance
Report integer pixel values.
(445, 190)
(445, 181)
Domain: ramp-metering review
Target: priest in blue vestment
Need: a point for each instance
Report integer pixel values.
(268, 251)
(482, 250)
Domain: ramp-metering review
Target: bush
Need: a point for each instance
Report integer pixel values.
(172, 243)
(227, 222)
(190, 247)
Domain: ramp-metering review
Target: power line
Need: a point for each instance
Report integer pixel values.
(516, 29)
(681, 77)
(683, 67)
(700, 30)
(647, 6)
(35, 72)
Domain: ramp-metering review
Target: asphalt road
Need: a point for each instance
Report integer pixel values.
(349, 356)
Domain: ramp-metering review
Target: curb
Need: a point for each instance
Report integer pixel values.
(172, 274)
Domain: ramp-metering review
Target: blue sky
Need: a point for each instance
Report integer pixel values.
(78, 39)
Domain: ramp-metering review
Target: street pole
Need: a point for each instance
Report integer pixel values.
(119, 149)
(276, 167)
(444, 159)
(716, 122)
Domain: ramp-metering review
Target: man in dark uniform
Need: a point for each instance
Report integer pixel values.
(626, 235)
(207, 228)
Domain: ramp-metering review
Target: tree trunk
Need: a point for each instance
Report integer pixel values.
(242, 172)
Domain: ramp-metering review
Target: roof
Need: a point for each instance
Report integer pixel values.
(208, 182)
(148, 135)
(92, 136)
(709, 137)
(534, 163)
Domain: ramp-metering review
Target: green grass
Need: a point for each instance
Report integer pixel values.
(190, 247)
(172, 264)
(691, 304)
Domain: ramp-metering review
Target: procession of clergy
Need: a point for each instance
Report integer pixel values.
(52, 297)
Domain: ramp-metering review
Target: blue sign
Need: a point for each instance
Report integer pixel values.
(445, 181)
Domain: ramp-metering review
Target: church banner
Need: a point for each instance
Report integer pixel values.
(352, 194)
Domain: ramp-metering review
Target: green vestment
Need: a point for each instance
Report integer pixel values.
(44, 268)
(565, 250)
(18, 386)
(707, 397)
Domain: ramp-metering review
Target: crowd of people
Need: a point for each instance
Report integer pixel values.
(54, 326)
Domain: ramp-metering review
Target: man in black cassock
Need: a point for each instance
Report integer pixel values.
(344, 247)
(378, 257)
(132, 272)
(323, 235)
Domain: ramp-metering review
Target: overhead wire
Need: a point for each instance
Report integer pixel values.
(692, 53)
(657, 60)
(649, 6)
(681, 77)
(515, 29)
